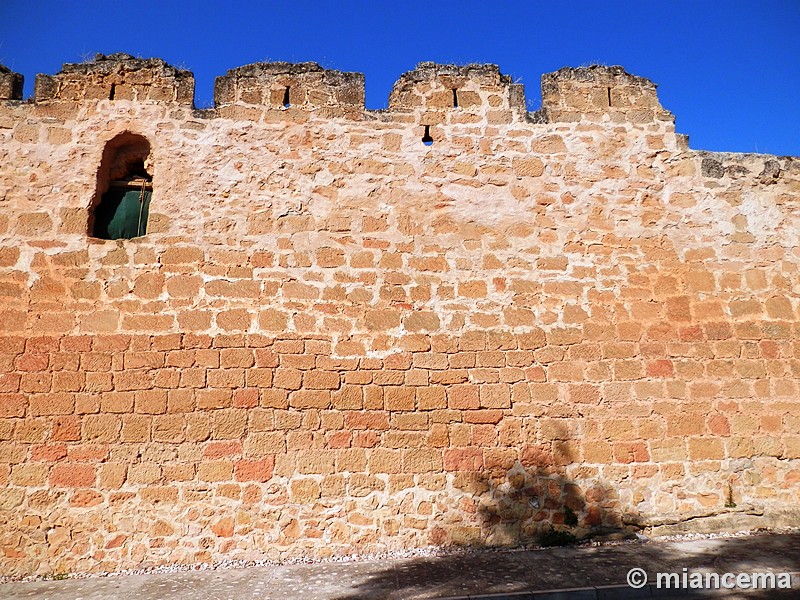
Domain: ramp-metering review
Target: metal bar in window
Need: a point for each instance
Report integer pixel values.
(133, 184)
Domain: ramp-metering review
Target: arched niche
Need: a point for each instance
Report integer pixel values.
(124, 186)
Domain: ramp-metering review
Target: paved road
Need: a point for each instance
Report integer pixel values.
(520, 575)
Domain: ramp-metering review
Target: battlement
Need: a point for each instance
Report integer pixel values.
(435, 91)
(10, 84)
(116, 77)
(590, 93)
(432, 94)
(282, 85)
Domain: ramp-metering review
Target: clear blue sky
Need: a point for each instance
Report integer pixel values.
(729, 70)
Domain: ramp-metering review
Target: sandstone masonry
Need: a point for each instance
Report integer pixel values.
(336, 338)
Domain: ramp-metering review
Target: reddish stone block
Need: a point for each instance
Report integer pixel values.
(255, 469)
(32, 362)
(42, 345)
(13, 405)
(48, 452)
(463, 397)
(116, 542)
(66, 429)
(483, 416)
(245, 398)
(366, 439)
(85, 499)
(338, 439)
(535, 456)
(222, 448)
(719, 425)
(463, 459)
(76, 343)
(660, 368)
(223, 527)
(111, 343)
(321, 380)
(73, 475)
(630, 452)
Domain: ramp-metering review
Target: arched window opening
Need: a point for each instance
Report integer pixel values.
(124, 187)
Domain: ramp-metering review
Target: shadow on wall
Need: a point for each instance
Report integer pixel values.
(525, 507)
(543, 509)
(523, 497)
(529, 506)
(529, 503)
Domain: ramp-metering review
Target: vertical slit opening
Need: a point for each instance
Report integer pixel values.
(427, 139)
(609, 97)
(286, 103)
(113, 91)
(455, 98)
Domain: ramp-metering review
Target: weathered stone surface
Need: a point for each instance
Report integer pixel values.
(10, 84)
(438, 93)
(116, 77)
(598, 93)
(335, 339)
(281, 86)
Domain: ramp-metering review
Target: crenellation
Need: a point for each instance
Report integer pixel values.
(434, 93)
(439, 94)
(10, 84)
(116, 77)
(598, 92)
(301, 86)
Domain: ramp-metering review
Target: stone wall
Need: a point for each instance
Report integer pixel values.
(336, 338)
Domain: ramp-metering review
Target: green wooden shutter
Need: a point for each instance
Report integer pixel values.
(120, 214)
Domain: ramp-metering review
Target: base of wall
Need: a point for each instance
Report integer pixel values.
(732, 520)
